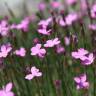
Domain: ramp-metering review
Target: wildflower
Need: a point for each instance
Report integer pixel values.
(80, 54)
(83, 5)
(81, 82)
(34, 73)
(42, 6)
(60, 49)
(62, 22)
(55, 4)
(37, 50)
(44, 31)
(87, 60)
(22, 26)
(52, 42)
(21, 52)
(67, 41)
(70, 18)
(71, 2)
(4, 50)
(6, 91)
(43, 26)
(92, 27)
(93, 11)
(35, 40)
(4, 28)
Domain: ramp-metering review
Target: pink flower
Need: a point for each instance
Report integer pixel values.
(71, 2)
(62, 22)
(55, 4)
(4, 50)
(60, 49)
(6, 91)
(81, 82)
(93, 11)
(22, 26)
(87, 60)
(43, 26)
(34, 73)
(67, 41)
(52, 43)
(37, 50)
(85, 57)
(92, 27)
(42, 6)
(4, 28)
(36, 40)
(83, 4)
(80, 54)
(21, 52)
(70, 18)
(45, 23)
(44, 31)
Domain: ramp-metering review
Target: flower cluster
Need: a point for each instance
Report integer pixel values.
(82, 54)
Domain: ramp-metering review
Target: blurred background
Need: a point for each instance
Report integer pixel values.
(19, 7)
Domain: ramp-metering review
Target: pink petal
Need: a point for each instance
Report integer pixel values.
(77, 79)
(3, 48)
(38, 74)
(77, 87)
(29, 77)
(86, 84)
(10, 94)
(83, 78)
(43, 51)
(34, 69)
(8, 87)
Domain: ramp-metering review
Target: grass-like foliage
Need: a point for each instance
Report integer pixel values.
(51, 53)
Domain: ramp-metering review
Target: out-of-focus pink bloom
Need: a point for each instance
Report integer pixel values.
(85, 57)
(60, 49)
(4, 50)
(34, 73)
(42, 6)
(81, 82)
(83, 5)
(44, 31)
(37, 50)
(45, 23)
(4, 28)
(36, 40)
(55, 4)
(21, 52)
(70, 18)
(62, 22)
(6, 91)
(52, 42)
(33, 17)
(80, 54)
(71, 2)
(67, 41)
(92, 27)
(13, 26)
(93, 11)
(87, 60)
(22, 26)
(43, 26)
